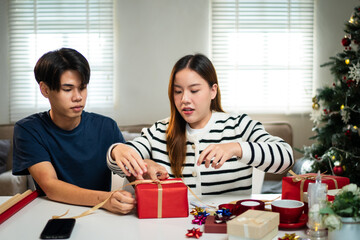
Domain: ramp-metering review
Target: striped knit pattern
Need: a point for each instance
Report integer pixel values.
(260, 150)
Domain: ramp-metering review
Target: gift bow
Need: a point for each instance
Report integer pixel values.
(223, 215)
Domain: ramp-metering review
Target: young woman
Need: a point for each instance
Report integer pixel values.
(214, 152)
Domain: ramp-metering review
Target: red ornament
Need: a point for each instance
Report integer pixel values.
(194, 233)
(338, 170)
(345, 41)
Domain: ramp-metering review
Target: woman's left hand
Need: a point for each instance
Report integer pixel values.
(154, 171)
(220, 153)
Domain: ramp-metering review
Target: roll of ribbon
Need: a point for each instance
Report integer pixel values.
(229, 206)
(246, 204)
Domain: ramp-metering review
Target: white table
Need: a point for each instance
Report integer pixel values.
(30, 221)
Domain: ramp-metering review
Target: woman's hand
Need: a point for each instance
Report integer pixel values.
(220, 153)
(155, 171)
(120, 202)
(128, 160)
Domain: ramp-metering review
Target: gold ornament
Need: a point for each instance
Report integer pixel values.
(355, 127)
(333, 158)
(351, 20)
(344, 168)
(315, 106)
(342, 107)
(314, 99)
(347, 61)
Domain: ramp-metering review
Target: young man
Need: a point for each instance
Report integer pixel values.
(64, 149)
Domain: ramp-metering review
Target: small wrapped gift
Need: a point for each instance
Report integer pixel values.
(213, 227)
(293, 187)
(217, 223)
(254, 224)
(162, 199)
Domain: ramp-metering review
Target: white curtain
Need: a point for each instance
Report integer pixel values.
(263, 53)
(39, 26)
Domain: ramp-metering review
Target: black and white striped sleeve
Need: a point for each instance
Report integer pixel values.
(262, 150)
(140, 144)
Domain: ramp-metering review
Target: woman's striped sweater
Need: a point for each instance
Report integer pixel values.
(259, 149)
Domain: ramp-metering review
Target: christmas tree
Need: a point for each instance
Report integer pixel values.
(336, 111)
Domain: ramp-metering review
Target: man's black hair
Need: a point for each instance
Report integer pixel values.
(53, 64)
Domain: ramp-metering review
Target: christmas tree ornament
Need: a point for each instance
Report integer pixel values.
(351, 20)
(338, 170)
(345, 115)
(315, 106)
(315, 100)
(347, 61)
(354, 72)
(345, 41)
(316, 116)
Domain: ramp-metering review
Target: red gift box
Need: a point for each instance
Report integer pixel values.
(162, 199)
(293, 187)
(212, 227)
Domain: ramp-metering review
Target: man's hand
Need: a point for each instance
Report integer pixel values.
(44, 174)
(120, 202)
(128, 160)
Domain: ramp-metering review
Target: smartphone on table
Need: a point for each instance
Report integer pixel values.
(60, 228)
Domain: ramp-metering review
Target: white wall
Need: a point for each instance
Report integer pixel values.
(331, 16)
(153, 34)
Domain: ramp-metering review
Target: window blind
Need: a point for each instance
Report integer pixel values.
(39, 26)
(263, 53)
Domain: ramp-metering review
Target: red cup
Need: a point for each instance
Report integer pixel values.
(290, 210)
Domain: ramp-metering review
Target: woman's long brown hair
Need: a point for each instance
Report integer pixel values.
(176, 131)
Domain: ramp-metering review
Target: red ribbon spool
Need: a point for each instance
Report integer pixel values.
(246, 204)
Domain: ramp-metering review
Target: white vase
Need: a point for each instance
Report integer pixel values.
(350, 230)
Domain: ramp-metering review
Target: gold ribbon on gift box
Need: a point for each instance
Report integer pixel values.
(304, 177)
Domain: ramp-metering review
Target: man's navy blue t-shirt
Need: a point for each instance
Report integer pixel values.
(78, 156)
